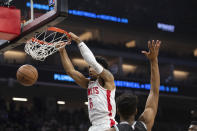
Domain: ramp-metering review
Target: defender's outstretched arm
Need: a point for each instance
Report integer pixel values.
(148, 116)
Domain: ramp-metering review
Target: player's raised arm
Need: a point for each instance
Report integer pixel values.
(68, 67)
(148, 116)
(90, 59)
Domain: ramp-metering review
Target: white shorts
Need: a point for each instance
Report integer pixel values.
(101, 127)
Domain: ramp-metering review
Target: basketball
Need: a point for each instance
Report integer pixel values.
(27, 75)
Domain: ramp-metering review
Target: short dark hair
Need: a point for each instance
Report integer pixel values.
(127, 105)
(194, 123)
(101, 60)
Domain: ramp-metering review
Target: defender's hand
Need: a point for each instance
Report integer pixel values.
(75, 38)
(153, 50)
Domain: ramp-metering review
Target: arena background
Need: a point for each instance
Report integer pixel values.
(119, 31)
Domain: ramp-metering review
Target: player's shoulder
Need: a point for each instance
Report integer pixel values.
(123, 127)
(137, 126)
(140, 126)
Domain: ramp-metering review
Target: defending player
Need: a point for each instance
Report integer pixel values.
(193, 126)
(127, 103)
(101, 87)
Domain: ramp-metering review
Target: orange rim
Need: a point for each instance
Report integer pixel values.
(59, 30)
(40, 41)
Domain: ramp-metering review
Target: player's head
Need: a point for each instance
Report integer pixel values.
(102, 61)
(193, 126)
(127, 106)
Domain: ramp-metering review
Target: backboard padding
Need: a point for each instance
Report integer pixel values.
(51, 18)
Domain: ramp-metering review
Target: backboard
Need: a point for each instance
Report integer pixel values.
(36, 15)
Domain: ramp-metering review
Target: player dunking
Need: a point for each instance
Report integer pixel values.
(101, 87)
(127, 103)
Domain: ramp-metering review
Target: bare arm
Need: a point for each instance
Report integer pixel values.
(90, 59)
(148, 116)
(68, 67)
(111, 129)
(109, 79)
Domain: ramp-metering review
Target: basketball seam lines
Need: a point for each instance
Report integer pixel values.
(32, 71)
(24, 74)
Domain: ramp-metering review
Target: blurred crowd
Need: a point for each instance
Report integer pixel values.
(37, 119)
(24, 119)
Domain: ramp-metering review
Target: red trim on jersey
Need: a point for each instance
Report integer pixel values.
(112, 122)
(109, 103)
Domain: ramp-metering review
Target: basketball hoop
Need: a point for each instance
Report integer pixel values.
(5, 3)
(47, 43)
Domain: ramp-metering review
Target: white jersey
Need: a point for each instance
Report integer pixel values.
(101, 104)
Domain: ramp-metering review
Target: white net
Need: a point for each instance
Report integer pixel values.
(45, 44)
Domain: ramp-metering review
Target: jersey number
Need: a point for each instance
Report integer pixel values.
(90, 103)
